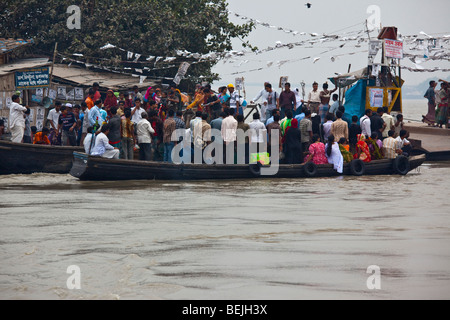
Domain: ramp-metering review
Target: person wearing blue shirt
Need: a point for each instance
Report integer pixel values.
(300, 116)
(335, 105)
(271, 119)
(94, 114)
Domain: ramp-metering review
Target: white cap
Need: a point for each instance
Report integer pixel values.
(68, 105)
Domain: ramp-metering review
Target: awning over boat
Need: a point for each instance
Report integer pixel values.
(347, 79)
(83, 77)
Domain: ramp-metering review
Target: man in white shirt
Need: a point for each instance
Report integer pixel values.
(195, 122)
(102, 147)
(53, 117)
(389, 120)
(229, 128)
(314, 99)
(144, 133)
(258, 129)
(136, 112)
(365, 123)
(271, 102)
(403, 143)
(262, 94)
(234, 98)
(327, 126)
(89, 141)
(16, 119)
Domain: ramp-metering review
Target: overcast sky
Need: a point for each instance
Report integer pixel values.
(325, 16)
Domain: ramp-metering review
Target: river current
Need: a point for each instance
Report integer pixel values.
(251, 239)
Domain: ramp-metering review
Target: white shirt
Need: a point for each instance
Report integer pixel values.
(192, 125)
(87, 143)
(272, 102)
(389, 120)
(327, 129)
(101, 145)
(262, 94)
(16, 113)
(314, 96)
(229, 127)
(53, 116)
(365, 126)
(85, 120)
(258, 131)
(233, 99)
(401, 142)
(336, 158)
(298, 99)
(144, 131)
(137, 116)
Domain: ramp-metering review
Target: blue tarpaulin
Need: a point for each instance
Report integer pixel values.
(355, 100)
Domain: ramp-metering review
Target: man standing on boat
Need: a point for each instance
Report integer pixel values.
(66, 127)
(16, 119)
(287, 100)
(94, 114)
(314, 99)
(229, 128)
(53, 116)
(366, 124)
(144, 136)
(263, 94)
(430, 118)
(234, 99)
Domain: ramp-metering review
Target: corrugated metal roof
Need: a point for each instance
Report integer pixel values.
(86, 77)
(8, 45)
(23, 64)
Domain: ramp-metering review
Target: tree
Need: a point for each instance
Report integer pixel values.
(148, 27)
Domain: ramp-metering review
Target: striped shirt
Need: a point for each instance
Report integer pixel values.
(390, 145)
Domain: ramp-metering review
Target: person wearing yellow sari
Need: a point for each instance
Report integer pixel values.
(345, 150)
(197, 104)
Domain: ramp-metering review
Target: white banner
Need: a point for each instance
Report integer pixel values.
(393, 49)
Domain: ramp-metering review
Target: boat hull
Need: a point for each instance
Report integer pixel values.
(100, 169)
(22, 158)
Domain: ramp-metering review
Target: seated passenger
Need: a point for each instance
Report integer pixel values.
(362, 149)
(42, 137)
(316, 151)
(375, 146)
(102, 147)
(344, 147)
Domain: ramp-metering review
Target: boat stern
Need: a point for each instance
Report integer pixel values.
(79, 165)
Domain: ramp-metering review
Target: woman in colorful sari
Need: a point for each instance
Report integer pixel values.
(199, 98)
(374, 147)
(345, 150)
(316, 151)
(442, 111)
(223, 96)
(149, 95)
(362, 149)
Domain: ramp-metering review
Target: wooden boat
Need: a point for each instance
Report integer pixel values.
(23, 158)
(96, 168)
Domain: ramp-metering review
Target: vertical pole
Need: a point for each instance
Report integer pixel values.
(53, 65)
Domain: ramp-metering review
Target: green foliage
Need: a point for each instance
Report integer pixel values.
(153, 27)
